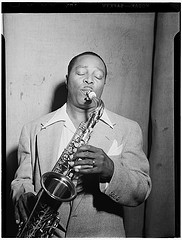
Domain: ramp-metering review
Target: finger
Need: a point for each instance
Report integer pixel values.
(22, 211)
(89, 148)
(17, 216)
(80, 168)
(88, 170)
(83, 154)
(83, 162)
(30, 202)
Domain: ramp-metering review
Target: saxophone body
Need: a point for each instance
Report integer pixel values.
(57, 186)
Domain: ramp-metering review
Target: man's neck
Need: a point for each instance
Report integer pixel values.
(77, 115)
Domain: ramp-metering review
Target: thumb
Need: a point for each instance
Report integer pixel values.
(17, 216)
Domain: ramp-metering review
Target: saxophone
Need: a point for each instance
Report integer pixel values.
(57, 186)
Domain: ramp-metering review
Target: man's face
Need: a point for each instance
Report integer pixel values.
(87, 73)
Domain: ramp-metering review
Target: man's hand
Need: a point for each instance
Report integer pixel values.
(89, 160)
(23, 207)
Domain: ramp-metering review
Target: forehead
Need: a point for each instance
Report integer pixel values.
(90, 61)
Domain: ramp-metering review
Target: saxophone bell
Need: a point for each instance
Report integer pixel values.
(58, 186)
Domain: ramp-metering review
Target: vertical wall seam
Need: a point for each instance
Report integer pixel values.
(150, 104)
(151, 88)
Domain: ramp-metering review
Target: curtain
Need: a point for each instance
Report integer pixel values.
(159, 219)
(139, 52)
(160, 207)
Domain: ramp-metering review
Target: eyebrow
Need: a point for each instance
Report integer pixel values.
(82, 66)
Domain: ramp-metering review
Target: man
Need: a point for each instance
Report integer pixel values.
(114, 171)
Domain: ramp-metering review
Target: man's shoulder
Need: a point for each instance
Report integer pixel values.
(42, 119)
(121, 120)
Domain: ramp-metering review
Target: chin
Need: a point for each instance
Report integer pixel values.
(87, 105)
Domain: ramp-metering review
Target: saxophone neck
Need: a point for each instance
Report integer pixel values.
(96, 114)
(91, 96)
(99, 107)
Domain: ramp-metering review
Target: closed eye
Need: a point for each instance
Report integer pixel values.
(98, 74)
(81, 71)
(99, 77)
(80, 74)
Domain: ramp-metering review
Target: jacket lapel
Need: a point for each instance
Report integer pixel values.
(102, 136)
(48, 140)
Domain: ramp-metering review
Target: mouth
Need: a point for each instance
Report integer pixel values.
(86, 90)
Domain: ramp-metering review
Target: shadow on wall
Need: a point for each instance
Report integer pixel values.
(60, 96)
(9, 227)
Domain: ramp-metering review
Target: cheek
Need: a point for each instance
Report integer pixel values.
(73, 84)
(100, 87)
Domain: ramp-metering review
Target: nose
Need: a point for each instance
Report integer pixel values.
(88, 79)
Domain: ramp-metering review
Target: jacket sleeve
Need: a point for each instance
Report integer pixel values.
(23, 181)
(130, 184)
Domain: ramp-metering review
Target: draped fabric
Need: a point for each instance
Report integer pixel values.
(159, 210)
(138, 49)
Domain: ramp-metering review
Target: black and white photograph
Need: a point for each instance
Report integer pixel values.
(90, 120)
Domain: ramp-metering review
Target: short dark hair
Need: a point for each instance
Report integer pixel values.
(73, 60)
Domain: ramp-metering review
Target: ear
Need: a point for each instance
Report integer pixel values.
(66, 81)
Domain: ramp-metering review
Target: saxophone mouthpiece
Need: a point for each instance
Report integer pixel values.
(91, 95)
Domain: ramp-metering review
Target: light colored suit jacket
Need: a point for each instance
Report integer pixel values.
(98, 211)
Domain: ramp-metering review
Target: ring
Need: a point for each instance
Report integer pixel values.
(93, 163)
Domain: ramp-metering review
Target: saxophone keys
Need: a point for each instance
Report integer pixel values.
(74, 150)
(76, 144)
